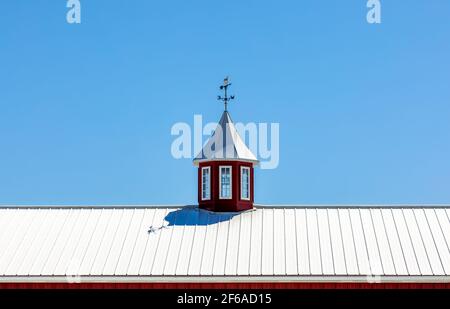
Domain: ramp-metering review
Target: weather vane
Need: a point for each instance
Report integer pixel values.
(225, 98)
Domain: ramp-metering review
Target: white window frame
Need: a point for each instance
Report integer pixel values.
(208, 168)
(221, 197)
(249, 186)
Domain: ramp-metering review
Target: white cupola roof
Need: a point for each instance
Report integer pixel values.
(225, 144)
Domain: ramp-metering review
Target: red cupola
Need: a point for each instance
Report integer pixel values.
(225, 168)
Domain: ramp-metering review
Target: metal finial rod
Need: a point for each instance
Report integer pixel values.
(225, 98)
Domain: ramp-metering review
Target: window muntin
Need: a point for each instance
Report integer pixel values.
(225, 182)
(206, 183)
(245, 183)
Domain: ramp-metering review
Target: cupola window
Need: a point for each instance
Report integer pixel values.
(245, 183)
(206, 183)
(225, 182)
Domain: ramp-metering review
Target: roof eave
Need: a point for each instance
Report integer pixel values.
(197, 162)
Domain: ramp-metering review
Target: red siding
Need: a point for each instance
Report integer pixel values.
(228, 286)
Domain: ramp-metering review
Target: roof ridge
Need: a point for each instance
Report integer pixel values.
(280, 206)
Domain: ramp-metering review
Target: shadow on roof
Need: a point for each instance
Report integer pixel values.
(192, 216)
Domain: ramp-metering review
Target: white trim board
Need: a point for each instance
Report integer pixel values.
(227, 279)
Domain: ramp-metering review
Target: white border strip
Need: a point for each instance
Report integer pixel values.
(306, 206)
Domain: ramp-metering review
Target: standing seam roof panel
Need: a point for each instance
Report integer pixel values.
(384, 248)
(336, 242)
(351, 260)
(162, 248)
(326, 250)
(439, 238)
(394, 246)
(429, 242)
(243, 266)
(20, 253)
(184, 258)
(141, 243)
(106, 241)
(97, 237)
(417, 241)
(267, 264)
(406, 243)
(198, 245)
(279, 243)
(315, 257)
(371, 240)
(40, 240)
(15, 238)
(209, 249)
(153, 241)
(130, 242)
(118, 239)
(231, 257)
(256, 243)
(77, 257)
(175, 244)
(444, 224)
(302, 242)
(291, 242)
(50, 242)
(360, 242)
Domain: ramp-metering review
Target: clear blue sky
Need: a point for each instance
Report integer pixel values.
(86, 110)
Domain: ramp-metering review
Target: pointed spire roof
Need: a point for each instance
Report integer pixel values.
(225, 144)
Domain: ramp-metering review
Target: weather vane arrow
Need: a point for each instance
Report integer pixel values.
(225, 99)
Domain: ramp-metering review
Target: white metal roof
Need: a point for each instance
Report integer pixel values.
(185, 243)
(225, 144)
